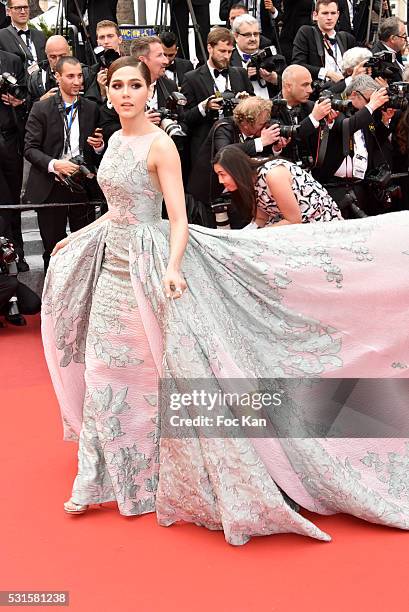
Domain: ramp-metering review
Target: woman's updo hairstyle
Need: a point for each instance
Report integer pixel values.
(125, 61)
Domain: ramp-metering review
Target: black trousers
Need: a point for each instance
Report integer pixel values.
(11, 179)
(179, 24)
(52, 221)
(28, 301)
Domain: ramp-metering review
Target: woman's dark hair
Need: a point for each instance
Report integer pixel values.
(242, 169)
(125, 61)
(402, 130)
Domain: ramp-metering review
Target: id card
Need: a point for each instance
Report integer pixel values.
(360, 165)
(33, 68)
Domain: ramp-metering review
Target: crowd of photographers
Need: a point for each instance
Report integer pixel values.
(323, 101)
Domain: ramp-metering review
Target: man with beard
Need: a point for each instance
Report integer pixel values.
(204, 86)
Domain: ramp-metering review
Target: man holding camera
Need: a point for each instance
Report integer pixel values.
(109, 42)
(392, 38)
(62, 138)
(205, 86)
(355, 148)
(42, 84)
(18, 38)
(264, 74)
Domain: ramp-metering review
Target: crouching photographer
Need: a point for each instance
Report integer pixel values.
(356, 144)
(254, 133)
(15, 298)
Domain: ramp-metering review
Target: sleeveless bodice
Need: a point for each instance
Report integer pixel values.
(124, 178)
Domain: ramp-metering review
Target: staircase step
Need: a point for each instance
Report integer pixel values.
(29, 221)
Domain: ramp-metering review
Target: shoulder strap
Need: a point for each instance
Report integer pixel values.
(340, 42)
(318, 42)
(21, 43)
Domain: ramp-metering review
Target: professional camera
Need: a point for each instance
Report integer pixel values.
(9, 85)
(76, 181)
(220, 207)
(170, 114)
(289, 131)
(379, 181)
(381, 65)
(398, 95)
(349, 206)
(337, 104)
(318, 86)
(106, 57)
(8, 256)
(228, 102)
(277, 105)
(276, 62)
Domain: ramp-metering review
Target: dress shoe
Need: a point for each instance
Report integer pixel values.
(16, 319)
(22, 265)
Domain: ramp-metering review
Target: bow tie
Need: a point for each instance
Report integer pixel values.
(332, 41)
(68, 109)
(246, 57)
(171, 67)
(25, 32)
(224, 73)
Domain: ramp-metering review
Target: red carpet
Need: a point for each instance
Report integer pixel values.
(112, 563)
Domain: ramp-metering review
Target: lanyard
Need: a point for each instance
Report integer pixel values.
(68, 122)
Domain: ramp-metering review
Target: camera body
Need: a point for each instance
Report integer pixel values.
(76, 182)
(106, 57)
(275, 62)
(380, 182)
(9, 85)
(337, 104)
(398, 95)
(380, 63)
(289, 131)
(171, 113)
(228, 102)
(220, 208)
(8, 257)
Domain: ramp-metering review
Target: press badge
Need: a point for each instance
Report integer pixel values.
(33, 68)
(360, 166)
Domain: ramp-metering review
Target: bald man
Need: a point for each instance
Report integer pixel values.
(42, 84)
(296, 90)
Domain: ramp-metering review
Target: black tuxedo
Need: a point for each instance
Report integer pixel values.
(265, 17)
(179, 23)
(4, 19)
(98, 10)
(268, 64)
(296, 13)
(199, 85)
(304, 144)
(359, 24)
(181, 66)
(45, 142)
(10, 42)
(11, 158)
(309, 49)
(396, 70)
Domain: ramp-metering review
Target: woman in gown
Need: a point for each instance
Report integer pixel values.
(270, 303)
(274, 192)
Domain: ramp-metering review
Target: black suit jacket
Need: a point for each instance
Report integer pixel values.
(9, 42)
(296, 13)
(199, 85)
(181, 67)
(304, 143)
(12, 64)
(98, 10)
(45, 141)
(4, 20)
(396, 71)
(361, 120)
(307, 53)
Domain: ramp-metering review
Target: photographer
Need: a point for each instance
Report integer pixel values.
(109, 42)
(205, 86)
(18, 38)
(12, 116)
(393, 38)
(263, 67)
(250, 128)
(177, 66)
(301, 116)
(62, 141)
(355, 147)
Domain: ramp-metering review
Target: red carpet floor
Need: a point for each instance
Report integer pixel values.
(108, 562)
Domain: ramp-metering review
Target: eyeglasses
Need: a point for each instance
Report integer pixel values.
(249, 34)
(404, 36)
(21, 9)
(362, 96)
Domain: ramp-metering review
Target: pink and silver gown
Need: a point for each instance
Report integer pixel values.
(320, 300)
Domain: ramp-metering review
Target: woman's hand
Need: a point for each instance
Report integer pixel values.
(60, 245)
(174, 284)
